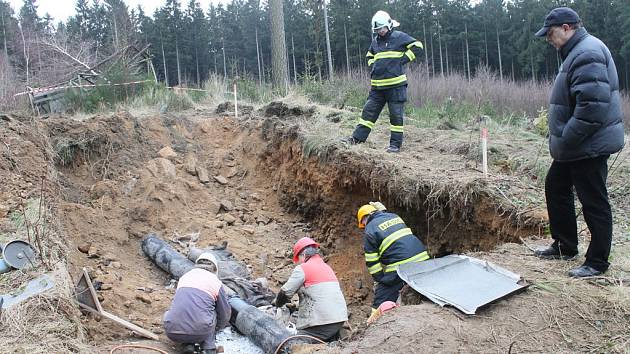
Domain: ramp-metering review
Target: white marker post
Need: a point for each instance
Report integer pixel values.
(484, 146)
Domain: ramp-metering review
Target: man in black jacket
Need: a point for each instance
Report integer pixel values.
(389, 52)
(585, 127)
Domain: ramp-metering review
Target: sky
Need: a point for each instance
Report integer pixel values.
(60, 10)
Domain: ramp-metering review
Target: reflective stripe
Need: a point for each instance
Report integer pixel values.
(393, 237)
(415, 44)
(396, 128)
(389, 54)
(366, 123)
(375, 268)
(388, 82)
(417, 258)
(371, 257)
(371, 61)
(410, 55)
(369, 54)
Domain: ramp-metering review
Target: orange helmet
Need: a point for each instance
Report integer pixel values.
(365, 210)
(301, 245)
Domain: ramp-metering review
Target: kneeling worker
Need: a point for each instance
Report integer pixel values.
(387, 243)
(322, 309)
(200, 307)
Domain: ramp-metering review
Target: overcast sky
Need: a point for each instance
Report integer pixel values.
(60, 10)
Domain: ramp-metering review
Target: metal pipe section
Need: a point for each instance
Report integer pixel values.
(166, 257)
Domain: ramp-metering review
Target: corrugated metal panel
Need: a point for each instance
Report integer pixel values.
(463, 282)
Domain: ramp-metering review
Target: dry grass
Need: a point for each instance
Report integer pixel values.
(46, 323)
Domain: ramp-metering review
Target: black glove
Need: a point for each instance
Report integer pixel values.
(280, 299)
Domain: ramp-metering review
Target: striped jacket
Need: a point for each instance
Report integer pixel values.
(388, 55)
(388, 243)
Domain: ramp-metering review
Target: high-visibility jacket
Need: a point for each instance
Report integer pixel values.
(388, 55)
(321, 299)
(388, 243)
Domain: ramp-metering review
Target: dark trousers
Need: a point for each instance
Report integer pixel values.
(388, 291)
(589, 179)
(327, 333)
(395, 99)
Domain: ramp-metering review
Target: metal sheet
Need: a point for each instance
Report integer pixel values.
(463, 282)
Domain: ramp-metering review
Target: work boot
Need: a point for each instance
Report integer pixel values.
(188, 348)
(350, 140)
(584, 271)
(552, 252)
(393, 149)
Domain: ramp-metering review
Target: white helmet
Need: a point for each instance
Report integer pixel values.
(207, 256)
(382, 19)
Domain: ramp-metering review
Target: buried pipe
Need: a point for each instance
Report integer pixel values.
(260, 328)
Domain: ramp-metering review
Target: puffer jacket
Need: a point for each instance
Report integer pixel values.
(388, 55)
(585, 117)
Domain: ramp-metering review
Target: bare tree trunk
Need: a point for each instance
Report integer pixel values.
(164, 61)
(485, 41)
(531, 62)
(328, 51)
(224, 64)
(278, 50)
(4, 36)
(294, 66)
(179, 71)
(467, 53)
(26, 55)
(197, 67)
(258, 59)
(426, 54)
(499, 50)
(432, 56)
(440, 46)
(448, 70)
(345, 37)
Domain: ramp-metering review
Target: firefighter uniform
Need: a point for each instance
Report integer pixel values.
(388, 243)
(387, 57)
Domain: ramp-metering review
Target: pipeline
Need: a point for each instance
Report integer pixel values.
(261, 329)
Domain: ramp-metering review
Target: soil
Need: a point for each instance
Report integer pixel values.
(260, 182)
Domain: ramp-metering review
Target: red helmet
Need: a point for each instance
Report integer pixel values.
(301, 245)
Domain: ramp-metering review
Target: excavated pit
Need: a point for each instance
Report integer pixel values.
(253, 182)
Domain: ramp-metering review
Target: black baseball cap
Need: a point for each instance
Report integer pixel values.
(558, 16)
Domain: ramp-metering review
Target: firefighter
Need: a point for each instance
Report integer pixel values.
(389, 52)
(387, 243)
(200, 307)
(322, 310)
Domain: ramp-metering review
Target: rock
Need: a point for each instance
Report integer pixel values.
(229, 219)
(161, 167)
(358, 284)
(227, 205)
(222, 180)
(230, 163)
(249, 229)
(263, 219)
(190, 165)
(167, 153)
(144, 298)
(233, 172)
(115, 264)
(93, 252)
(106, 286)
(256, 197)
(202, 174)
(158, 330)
(84, 247)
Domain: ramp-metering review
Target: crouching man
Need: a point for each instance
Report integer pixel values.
(322, 309)
(200, 307)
